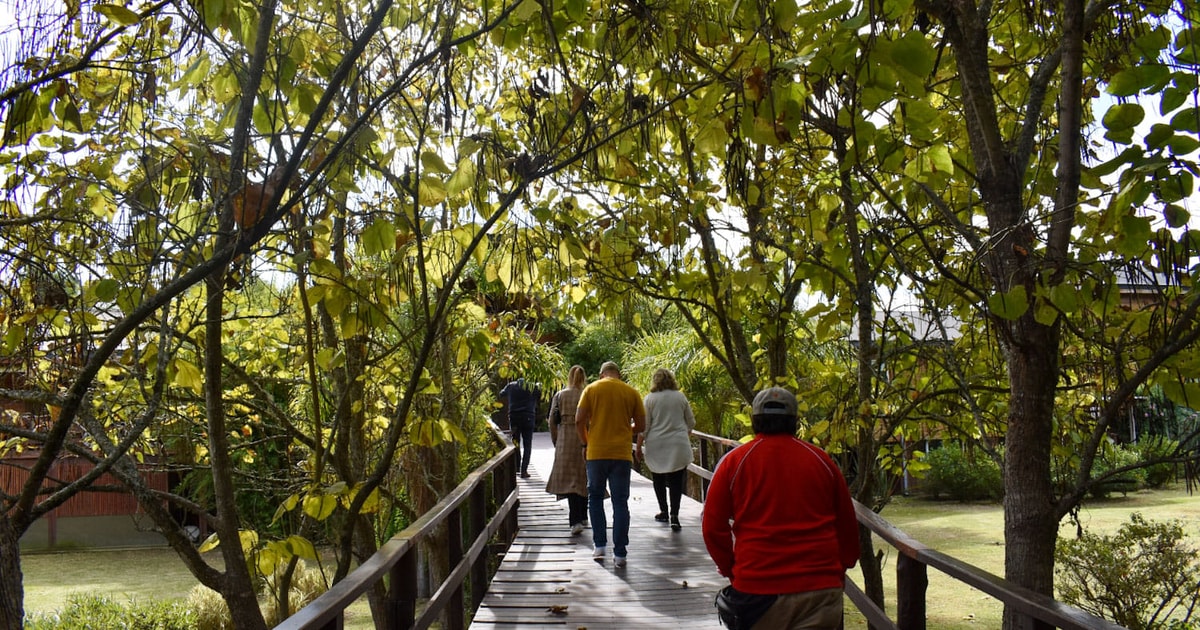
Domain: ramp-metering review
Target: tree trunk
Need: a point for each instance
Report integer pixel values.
(12, 590)
(1030, 516)
(238, 591)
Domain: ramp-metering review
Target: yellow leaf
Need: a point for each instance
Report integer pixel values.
(266, 560)
(249, 539)
(188, 375)
(211, 543)
(301, 546)
(319, 507)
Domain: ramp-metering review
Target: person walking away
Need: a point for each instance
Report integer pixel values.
(522, 416)
(788, 507)
(665, 445)
(610, 413)
(568, 477)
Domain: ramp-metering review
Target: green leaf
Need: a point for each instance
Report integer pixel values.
(117, 13)
(106, 290)
(1187, 119)
(1010, 305)
(1125, 83)
(19, 125)
(379, 237)
(524, 11)
(434, 163)
(1065, 297)
(463, 178)
(1123, 116)
(1045, 313)
(1182, 145)
(1176, 216)
(1134, 234)
(1186, 394)
(432, 191)
(914, 54)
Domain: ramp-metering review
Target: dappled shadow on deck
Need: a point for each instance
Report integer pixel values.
(548, 578)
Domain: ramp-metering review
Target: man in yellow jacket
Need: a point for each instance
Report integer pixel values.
(610, 414)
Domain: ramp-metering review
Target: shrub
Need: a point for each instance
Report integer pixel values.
(1156, 447)
(96, 611)
(962, 474)
(210, 610)
(1142, 577)
(1111, 458)
(307, 585)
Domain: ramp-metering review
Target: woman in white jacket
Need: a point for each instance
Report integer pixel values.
(665, 445)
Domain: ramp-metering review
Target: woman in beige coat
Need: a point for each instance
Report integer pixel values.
(568, 477)
(667, 443)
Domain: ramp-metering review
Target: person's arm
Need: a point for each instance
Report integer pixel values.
(640, 438)
(639, 415)
(582, 416)
(688, 416)
(550, 420)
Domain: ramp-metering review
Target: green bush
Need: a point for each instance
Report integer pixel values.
(1143, 577)
(1157, 447)
(96, 611)
(1113, 457)
(962, 474)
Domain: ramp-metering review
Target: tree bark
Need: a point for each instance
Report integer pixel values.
(1031, 348)
(12, 589)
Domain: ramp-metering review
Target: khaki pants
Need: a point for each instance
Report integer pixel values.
(815, 610)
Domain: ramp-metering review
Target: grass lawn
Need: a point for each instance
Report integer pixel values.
(142, 575)
(973, 533)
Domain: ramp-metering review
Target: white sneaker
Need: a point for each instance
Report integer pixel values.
(618, 562)
(598, 554)
(577, 529)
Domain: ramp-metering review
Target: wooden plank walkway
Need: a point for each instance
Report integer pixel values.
(548, 577)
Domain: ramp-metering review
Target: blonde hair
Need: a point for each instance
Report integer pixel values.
(576, 377)
(663, 379)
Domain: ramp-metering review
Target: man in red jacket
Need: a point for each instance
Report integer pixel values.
(779, 523)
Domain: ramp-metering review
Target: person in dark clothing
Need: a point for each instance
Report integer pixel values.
(522, 416)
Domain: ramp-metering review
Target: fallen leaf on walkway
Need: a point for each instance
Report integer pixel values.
(685, 584)
(557, 610)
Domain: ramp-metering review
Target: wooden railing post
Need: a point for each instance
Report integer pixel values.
(402, 596)
(912, 580)
(454, 541)
(503, 481)
(479, 569)
(706, 465)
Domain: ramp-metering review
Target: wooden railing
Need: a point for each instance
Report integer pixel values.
(485, 502)
(914, 560)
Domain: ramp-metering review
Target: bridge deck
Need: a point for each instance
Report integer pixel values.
(548, 577)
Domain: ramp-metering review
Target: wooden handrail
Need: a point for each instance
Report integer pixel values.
(911, 569)
(397, 558)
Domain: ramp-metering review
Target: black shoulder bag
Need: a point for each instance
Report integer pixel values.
(740, 611)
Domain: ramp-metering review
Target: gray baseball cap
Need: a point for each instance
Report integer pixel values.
(774, 401)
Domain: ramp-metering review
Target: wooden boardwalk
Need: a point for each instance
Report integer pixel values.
(548, 577)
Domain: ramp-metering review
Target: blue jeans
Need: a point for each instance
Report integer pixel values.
(615, 474)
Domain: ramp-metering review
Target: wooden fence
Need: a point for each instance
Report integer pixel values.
(485, 504)
(495, 516)
(1037, 611)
